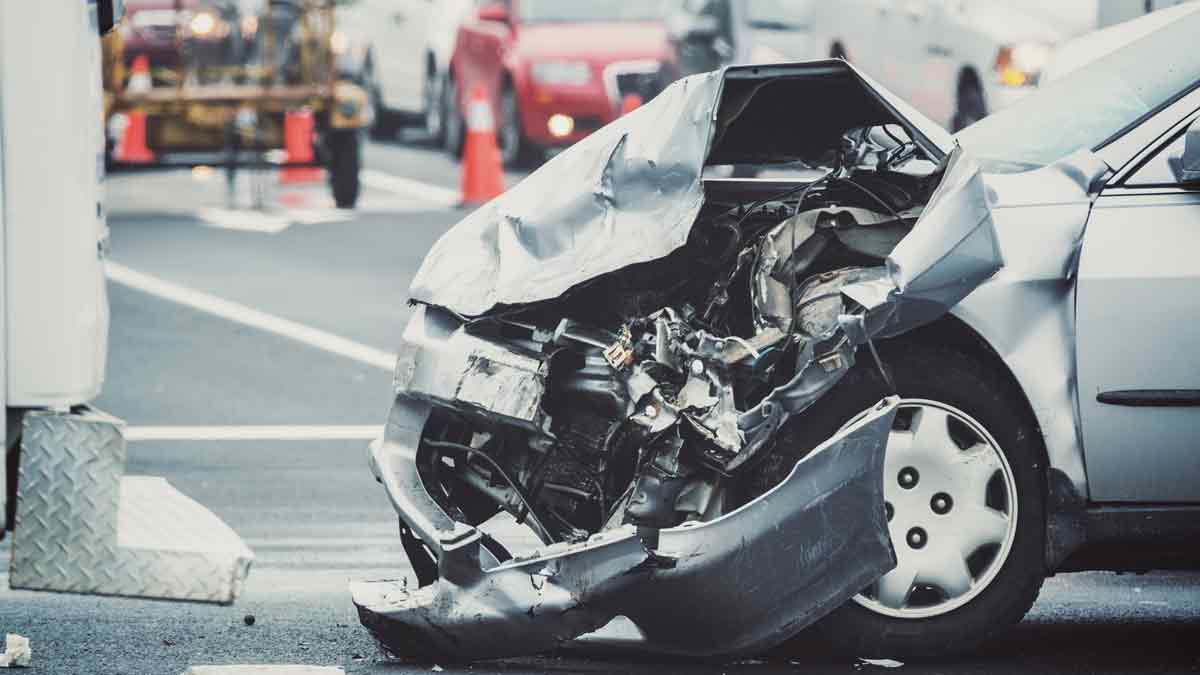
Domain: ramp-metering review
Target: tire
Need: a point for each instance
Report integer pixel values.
(937, 378)
(455, 126)
(435, 107)
(345, 159)
(970, 107)
(515, 150)
(384, 122)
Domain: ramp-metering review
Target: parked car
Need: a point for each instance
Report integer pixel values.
(555, 71)
(954, 60)
(684, 385)
(400, 51)
(203, 35)
(1115, 11)
(709, 34)
(1078, 52)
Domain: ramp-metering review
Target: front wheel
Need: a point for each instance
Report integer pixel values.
(964, 489)
(454, 126)
(345, 159)
(970, 106)
(515, 150)
(434, 98)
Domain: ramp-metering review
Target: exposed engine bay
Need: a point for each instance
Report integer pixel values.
(626, 419)
(666, 383)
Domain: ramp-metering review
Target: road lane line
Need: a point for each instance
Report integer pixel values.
(280, 432)
(295, 669)
(247, 316)
(408, 187)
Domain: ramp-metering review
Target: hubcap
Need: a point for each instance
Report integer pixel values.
(951, 505)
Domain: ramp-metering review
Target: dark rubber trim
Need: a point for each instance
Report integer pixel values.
(1152, 398)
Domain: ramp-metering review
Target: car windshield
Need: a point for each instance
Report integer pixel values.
(576, 11)
(778, 14)
(1093, 105)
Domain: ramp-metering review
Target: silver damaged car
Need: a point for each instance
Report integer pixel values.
(887, 395)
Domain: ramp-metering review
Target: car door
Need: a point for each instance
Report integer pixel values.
(397, 48)
(864, 32)
(937, 30)
(1138, 332)
(773, 31)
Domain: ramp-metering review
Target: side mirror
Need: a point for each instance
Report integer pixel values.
(1189, 163)
(694, 27)
(108, 14)
(495, 11)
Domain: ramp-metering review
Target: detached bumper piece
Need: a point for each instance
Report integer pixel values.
(83, 527)
(738, 584)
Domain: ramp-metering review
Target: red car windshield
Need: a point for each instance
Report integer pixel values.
(579, 11)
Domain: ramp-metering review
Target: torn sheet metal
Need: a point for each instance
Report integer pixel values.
(630, 192)
(440, 361)
(717, 587)
(952, 250)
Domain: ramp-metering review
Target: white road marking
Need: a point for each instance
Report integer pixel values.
(244, 220)
(282, 432)
(408, 187)
(263, 670)
(247, 316)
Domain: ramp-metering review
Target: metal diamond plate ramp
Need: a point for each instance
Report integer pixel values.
(82, 527)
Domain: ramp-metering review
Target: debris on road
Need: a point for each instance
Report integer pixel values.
(17, 652)
(877, 663)
(249, 619)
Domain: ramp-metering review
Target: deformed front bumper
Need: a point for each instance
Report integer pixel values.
(738, 584)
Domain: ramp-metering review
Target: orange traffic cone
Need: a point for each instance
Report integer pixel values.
(132, 147)
(482, 170)
(298, 135)
(630, 103)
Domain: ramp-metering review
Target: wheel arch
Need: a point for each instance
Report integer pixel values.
(953, 331)
(1065, 502)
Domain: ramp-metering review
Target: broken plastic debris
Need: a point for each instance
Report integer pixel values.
(879, 663)
(17, 653)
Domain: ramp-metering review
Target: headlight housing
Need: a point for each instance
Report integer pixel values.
(1021, 64)
(206, 25)
(338, 42)
(574, 73)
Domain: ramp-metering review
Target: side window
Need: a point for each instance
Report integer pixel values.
(1161, 169)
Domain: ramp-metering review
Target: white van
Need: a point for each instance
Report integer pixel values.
(954, 60)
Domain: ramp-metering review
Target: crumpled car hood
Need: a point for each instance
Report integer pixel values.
(631, 192)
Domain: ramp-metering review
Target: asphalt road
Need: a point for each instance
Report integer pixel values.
(309, 508)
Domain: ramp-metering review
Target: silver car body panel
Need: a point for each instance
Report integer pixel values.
(766, 570)
(1026, 312)
(1139, 380)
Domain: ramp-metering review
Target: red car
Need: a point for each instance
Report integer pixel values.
(555, 71)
